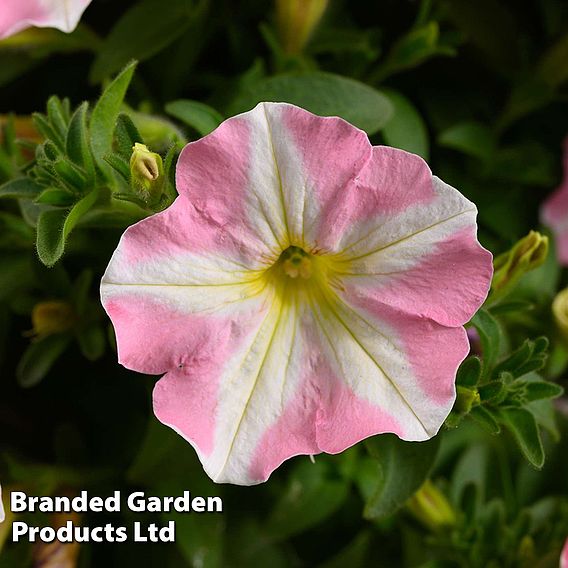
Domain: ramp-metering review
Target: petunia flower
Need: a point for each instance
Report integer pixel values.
(306, 290)
(554, 213)
(17, 15)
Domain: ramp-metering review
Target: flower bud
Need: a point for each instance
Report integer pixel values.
(297, 20)
(466, 399)
(560, 312)
(527, 254)
(54, 316)
(429, 506)
(146, 173)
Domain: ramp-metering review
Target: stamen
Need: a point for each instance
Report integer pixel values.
(296, 263)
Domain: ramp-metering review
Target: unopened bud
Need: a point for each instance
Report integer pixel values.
(54, 316)
(429, 506)
(297, 20)
(466, 399)
(147, 173)
(560, 312)
(527, 254)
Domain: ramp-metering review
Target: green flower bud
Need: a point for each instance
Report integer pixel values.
(560, 312)
(527, 254)
(146, 173)
(466, 399)
(297, 20)
(429, 506)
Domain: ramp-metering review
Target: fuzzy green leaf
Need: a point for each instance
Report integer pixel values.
(55, 225)
(522, 424)
(105, 114)
(402, 467)
(77, 142)
(490, 335)
(20, 188)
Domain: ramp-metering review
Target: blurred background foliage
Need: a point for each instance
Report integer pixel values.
(479, 89)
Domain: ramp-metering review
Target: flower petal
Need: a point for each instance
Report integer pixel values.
(315, 376)
(564, 556)
(423, 260)
(268, 163)
(280, 394)
(171, 290)
(17, 15)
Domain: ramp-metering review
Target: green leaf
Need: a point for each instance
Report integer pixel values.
(56, 115)
(38, 359)
(201, 117)
(310, 498)
(538, 390)
(493, 391)
(143, 30)
(325, 94)
(54, 196)
(125, 136)
(406, 128)
(49, 131)
(105, 113)
(402, 467)
(469, 372)
(55, 225)
(485, 418)
(415, 47)
(471, 138)
(490, 336)
(77, 142)
(20, 188)
(522, 424)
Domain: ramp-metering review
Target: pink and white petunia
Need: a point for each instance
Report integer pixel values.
(564, 556)
(17, 15)
(306, 290)
(554, 213)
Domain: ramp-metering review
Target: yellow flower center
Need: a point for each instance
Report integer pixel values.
(296, 263)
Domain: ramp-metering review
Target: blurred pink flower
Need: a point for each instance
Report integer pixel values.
(17, 15)
(306, 290)
(554, 213)
(564, 556)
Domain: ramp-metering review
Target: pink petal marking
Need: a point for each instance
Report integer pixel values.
(389, 183)
(17, 15)
(447, 285)
(153, 338)
(434, 351)
(564, 556)
(183, 228)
